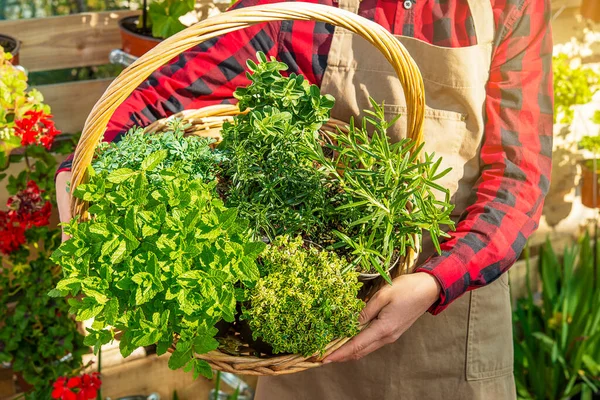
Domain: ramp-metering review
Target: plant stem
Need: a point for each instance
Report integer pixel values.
(99, 397)
(144, 14)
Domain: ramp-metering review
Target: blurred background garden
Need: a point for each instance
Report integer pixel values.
(68, 51)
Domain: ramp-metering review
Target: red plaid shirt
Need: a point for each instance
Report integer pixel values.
(516, 149)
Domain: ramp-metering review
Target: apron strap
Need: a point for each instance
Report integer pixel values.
(481, 12)
(349, 5)
(483, 19)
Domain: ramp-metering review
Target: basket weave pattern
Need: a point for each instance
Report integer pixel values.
(207, 122)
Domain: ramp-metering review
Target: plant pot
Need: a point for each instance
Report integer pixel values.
(12, 46)
(587, 188)
(134, 41)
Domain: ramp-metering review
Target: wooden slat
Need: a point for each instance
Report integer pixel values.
(63, 42)
(72, 102)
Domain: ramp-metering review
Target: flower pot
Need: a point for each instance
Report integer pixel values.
(587, 188)
(12, 46)
(133, 40)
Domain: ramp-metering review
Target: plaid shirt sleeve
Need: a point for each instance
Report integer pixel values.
(515, 158)
(204, 75)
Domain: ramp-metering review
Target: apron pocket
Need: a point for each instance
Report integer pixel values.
(489, 338)
(445, 134)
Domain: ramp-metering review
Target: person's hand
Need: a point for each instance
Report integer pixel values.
(63, 199)
(389, 314)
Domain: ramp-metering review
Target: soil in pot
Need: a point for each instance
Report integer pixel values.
(587, 188)
(12, 46)
(136, 41)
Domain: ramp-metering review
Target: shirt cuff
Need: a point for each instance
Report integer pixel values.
(452, 276)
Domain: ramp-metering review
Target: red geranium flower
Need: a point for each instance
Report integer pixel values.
(89, 386)
(36, 128)
(62, 390)
(12, 233)
(26, 210)
(29, 208)
(84, 387)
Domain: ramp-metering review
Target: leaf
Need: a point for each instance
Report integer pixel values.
(203, 368)
(202, 344)
(154, 159)
(125, 345)
(69, 284)
(89, 309)
(117, 256)
(248, 269)
(121, 175)
(181, 356)
(227, 218)
(111, 311)
(97, 338)
(253, 249)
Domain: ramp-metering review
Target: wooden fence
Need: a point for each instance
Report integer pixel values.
(68, 42)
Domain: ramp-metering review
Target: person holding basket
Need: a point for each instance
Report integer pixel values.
(443, 331)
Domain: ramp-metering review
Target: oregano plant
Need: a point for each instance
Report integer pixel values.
(270, 180)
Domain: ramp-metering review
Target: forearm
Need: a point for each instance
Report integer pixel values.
(63, 197)
(515, 159)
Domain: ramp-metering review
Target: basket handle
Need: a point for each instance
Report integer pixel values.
(136, 73)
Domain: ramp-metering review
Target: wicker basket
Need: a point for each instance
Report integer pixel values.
(208, 121)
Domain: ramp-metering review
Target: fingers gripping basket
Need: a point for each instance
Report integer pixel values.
(208, 121)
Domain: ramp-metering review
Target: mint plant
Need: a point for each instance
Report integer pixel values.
(161, 258)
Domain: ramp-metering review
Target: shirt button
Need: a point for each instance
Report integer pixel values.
(408, 4)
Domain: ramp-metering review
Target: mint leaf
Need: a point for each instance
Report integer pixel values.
(153, 160)
(121, 175)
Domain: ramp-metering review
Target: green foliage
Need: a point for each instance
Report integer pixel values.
(165, 14)
(591, 143)
(557, 341)
(572, 86)
(303, 299)
(37, 336)
(271, 181)
(380, 179)
(161, 256)
(192, 154)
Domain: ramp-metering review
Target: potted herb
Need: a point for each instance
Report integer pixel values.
(159, 20)
(10, 45)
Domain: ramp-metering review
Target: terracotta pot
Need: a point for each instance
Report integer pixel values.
(135, 43)
(587, 188)
(11, 45)
(590, 9)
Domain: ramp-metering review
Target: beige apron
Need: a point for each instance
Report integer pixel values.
(465, 352)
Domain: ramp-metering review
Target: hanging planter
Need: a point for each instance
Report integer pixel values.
(12, 46)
